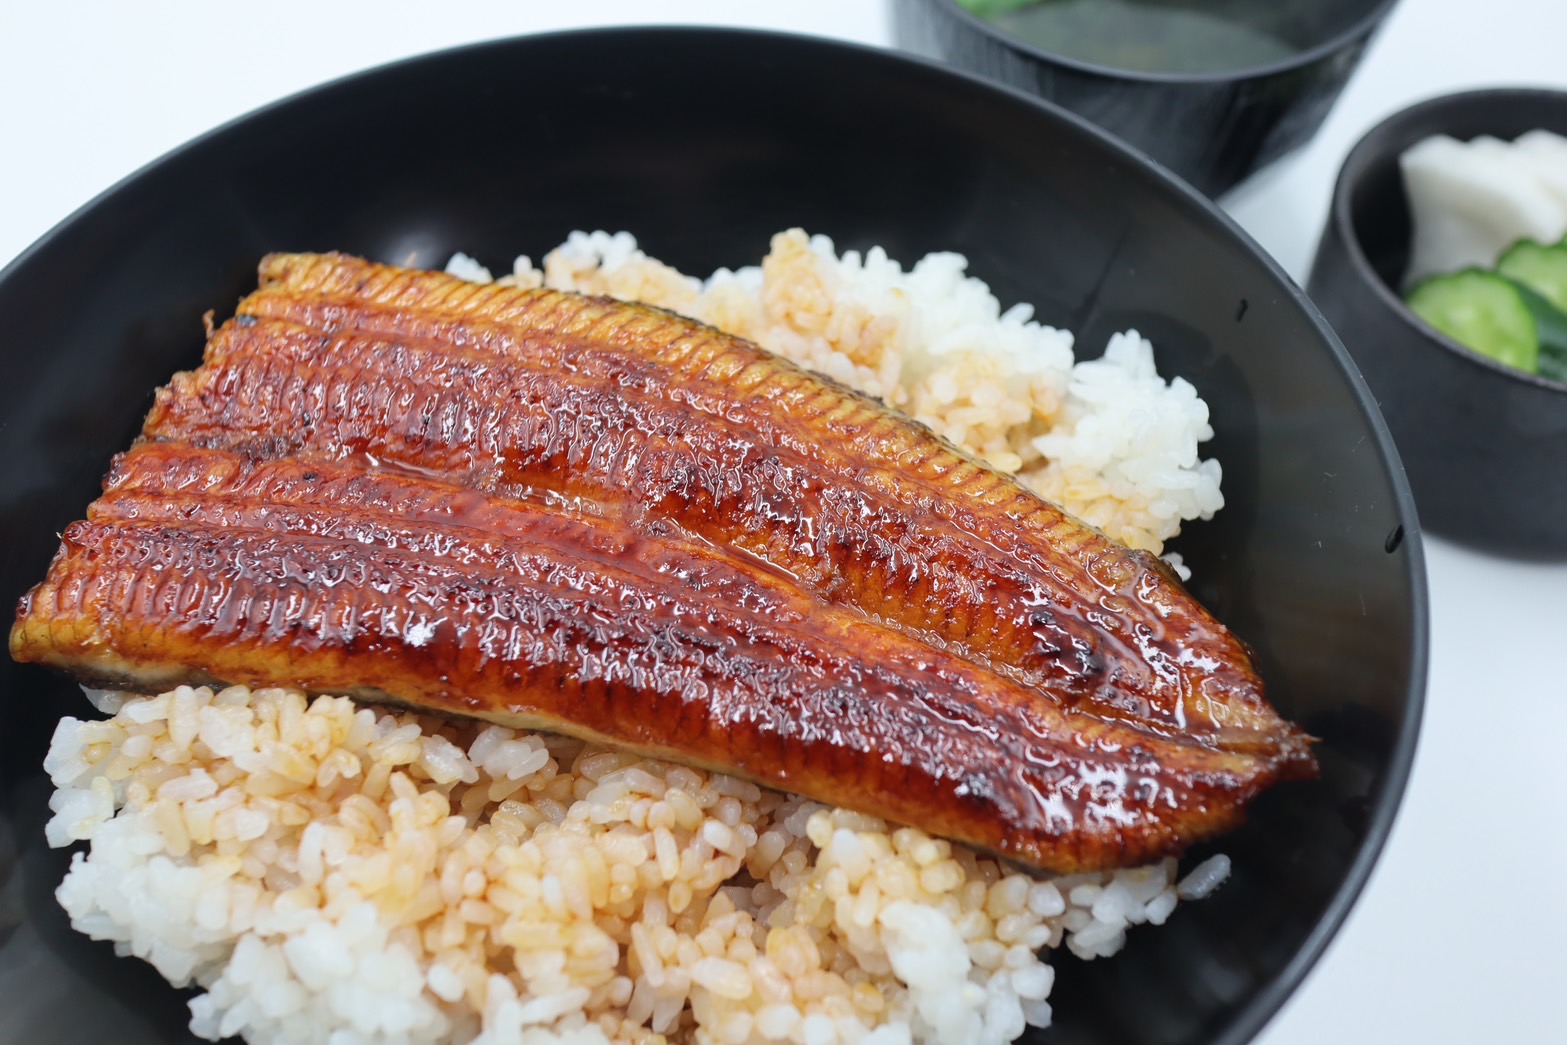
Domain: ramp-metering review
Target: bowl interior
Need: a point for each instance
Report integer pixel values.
(703, 143)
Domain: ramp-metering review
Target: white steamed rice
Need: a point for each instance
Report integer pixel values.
(326, 872)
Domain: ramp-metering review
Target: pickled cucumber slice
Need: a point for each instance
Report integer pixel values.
(1482, 311)
(1540, 268)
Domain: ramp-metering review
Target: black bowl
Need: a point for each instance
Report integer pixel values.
(704, 142)
(1485, 444)
(1214, 129)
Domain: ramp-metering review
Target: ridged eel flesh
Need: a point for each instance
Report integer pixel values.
(579, 514)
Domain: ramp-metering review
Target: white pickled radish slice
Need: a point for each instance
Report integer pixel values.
(1469, 202)
(1546, 155)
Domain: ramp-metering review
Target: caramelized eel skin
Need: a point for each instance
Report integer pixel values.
(578, 514)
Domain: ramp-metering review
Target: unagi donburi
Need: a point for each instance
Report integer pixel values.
(559, 511)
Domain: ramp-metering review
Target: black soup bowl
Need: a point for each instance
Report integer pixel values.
(1214, 121)
(1485, 444)
(705, 142)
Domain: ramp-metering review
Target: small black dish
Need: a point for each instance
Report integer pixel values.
(704, 143)
(1215, 129)
(1485, 446)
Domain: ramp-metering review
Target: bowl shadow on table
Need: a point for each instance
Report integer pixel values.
(1047, 211)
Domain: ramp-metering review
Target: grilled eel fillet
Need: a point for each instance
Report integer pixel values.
(599, 518)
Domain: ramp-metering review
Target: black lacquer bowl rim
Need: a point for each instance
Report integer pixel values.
(1249, 1020)
(1372, 150)
(1298, 60)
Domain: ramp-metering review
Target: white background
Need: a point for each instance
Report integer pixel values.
(1460, 934)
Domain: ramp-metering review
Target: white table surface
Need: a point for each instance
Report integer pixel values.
(1459, 936)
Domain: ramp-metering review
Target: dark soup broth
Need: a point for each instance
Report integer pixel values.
(1140, 36)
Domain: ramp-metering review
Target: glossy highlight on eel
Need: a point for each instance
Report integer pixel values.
(595, 517)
